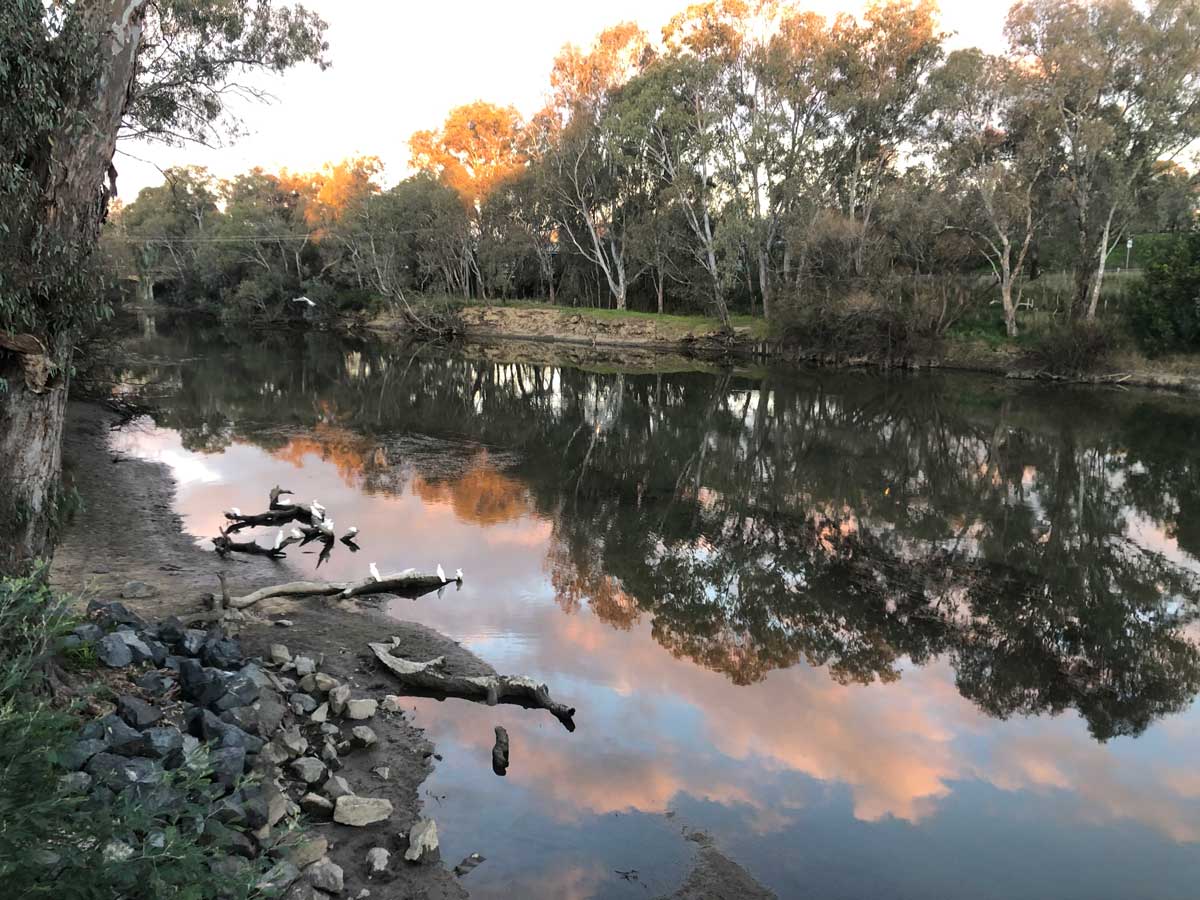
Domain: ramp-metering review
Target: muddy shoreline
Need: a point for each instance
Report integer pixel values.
(128, 531)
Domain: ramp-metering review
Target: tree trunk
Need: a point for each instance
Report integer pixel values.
(75, 200)
(764, 282)
(1098, 278)
(31, 425)
(1006, 289)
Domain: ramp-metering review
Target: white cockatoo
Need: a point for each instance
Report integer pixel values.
(375, 573)
(441, 573)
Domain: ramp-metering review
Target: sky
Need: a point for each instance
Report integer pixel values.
(400, 66)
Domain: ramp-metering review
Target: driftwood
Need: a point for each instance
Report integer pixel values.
(277, 514)
(428, 678)
(226, 545)
(408, 583)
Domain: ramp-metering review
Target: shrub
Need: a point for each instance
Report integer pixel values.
(1073, 348)
(1164, 314)
(78, 848)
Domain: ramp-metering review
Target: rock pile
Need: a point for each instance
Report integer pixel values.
(262, 736)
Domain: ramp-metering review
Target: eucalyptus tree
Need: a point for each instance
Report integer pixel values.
(72, 76)
(1121, 83)
(996, 146)
(881, 64)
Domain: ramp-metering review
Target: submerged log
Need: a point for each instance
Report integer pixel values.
(408, 583)
(428, 677)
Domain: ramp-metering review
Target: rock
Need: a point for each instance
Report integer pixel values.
(270, 711)
(74, 783)
(324, 683)
(81, 751)
(155, 683)
(228, 764)
(383, 772)
(279, 877)
(120, 737)
(280, 654)
(293, 741)
(118, 773)
(222, 653)
(468, 863)
(316, 805)
(192, 642)
(320, 714)
(88, 632)
(329, 753)
(114, 652)
(304, 665)
(500, 751)
(139, 650)
(284, 623)
(422, 842)
(330, 729)
(325, 875)
(309, 769)
(137, 713)
(360, 811)
(158, 651)
(362, 736)
(277, 804)
(239, 691)
(110, 615)
(336, 786)
(164, 743)
(360, 709)
(302, 890)
(338, 698)
(377, 861)
(137, 590)
(392, 703)
(302, 704)
(170, 630)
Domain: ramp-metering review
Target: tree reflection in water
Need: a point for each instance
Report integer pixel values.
(855, 522)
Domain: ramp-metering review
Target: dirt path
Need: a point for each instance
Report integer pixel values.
(128, 531)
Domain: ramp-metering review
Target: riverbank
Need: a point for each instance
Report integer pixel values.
(128, 531)
(599, 339)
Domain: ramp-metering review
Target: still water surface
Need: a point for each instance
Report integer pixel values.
(881, 637)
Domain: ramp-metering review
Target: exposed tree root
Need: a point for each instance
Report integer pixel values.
(427, 677)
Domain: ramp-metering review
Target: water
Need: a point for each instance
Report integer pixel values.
(881, 637)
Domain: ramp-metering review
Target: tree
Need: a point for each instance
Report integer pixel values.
(881, 64)
(1121, 84)
(996, 146)
(72, 75)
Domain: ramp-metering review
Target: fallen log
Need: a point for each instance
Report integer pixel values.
(407, 583)
(427, 677)
(226, 545)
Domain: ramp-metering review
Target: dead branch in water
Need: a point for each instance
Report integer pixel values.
(428, 677)
(226, 545)
(409, 583)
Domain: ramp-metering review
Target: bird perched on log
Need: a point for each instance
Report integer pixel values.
(458, 576)
(233, 513)
(279, 539)
(318, 511)
(348, 538)
(375, 572)
(441, 573)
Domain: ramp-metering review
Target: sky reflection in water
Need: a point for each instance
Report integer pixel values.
(731, 578)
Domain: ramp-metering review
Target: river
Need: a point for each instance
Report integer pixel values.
(908, 636)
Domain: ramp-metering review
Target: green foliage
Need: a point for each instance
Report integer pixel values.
(1164, 314)
(144, 847)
